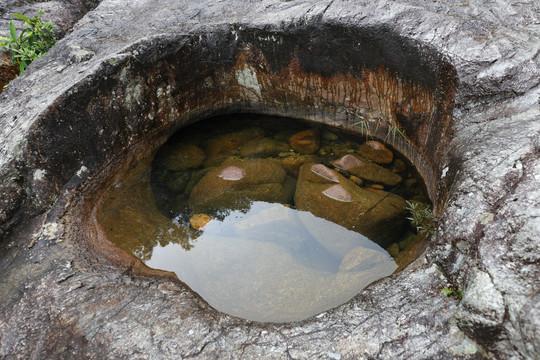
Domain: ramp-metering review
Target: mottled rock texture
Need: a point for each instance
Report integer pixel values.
(63, 14)
(461, 78)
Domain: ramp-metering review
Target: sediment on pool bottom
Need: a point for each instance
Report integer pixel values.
(293, 218)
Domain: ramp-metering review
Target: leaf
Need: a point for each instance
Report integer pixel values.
(22, 17)
(12, 30)
(21, 37)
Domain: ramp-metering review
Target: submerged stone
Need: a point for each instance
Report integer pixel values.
(292, 164)
(305, 142)
(263, 148)
(379, 216)
(231, 141)
(235, 186)
(232, 173)
(376, 152)
(337, 192)
(325, 172)
(199, 221)
(183, 156)
(367, 170)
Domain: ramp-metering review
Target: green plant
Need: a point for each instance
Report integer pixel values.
(32, 43)
(422, 218)
(452, 291)
(376, 121)
(394, 130)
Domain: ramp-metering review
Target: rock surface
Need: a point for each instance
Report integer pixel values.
(63, 15)
(129, 73)
(377, 152)
(264, 147)
(329, 195)
(183, 156)
(305, 142)
(236, 185)
(367, 170)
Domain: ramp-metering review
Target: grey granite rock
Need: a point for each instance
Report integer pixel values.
(112, 91)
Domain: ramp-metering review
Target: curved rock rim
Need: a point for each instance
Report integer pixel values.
(480, 114)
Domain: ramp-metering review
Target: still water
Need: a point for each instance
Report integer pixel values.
(259, 254)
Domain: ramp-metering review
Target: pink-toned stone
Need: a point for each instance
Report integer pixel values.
(367, 170)
(348, 162)
(232, 173)
(338, 192)
(325, 172)
(377, 152)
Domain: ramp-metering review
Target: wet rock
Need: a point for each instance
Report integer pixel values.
(329, 136)
(363, 258)
(367, 170)
(305, 142)
(177, 181)
(393, 250)
(8, 70)
(195, 177)
(376, 152)
(236, 185)
(325, 173)
(409, 242)
(199, 221)
(292, 164)
(283, 135)
(398, 166)
(410, 183)
(264, 147)
(132, 225)
(484, 158)
(379, 216)
(233, 141)
(182, 156)
(337, 149)
(356, 180)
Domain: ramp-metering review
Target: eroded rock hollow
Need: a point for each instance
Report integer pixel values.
(461, 84)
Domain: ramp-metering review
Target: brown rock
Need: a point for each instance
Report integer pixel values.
(199, 221)
(236, 185)
(305, 142)
(379, 216)
(376, 152)
(263, 147)
(132, 223)
(393, 250)
(178, 180)
(183, 156)
(8, 70)
(398, 166)
(356, 180)
(231, 141)
(367, 170)
(292, 164)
